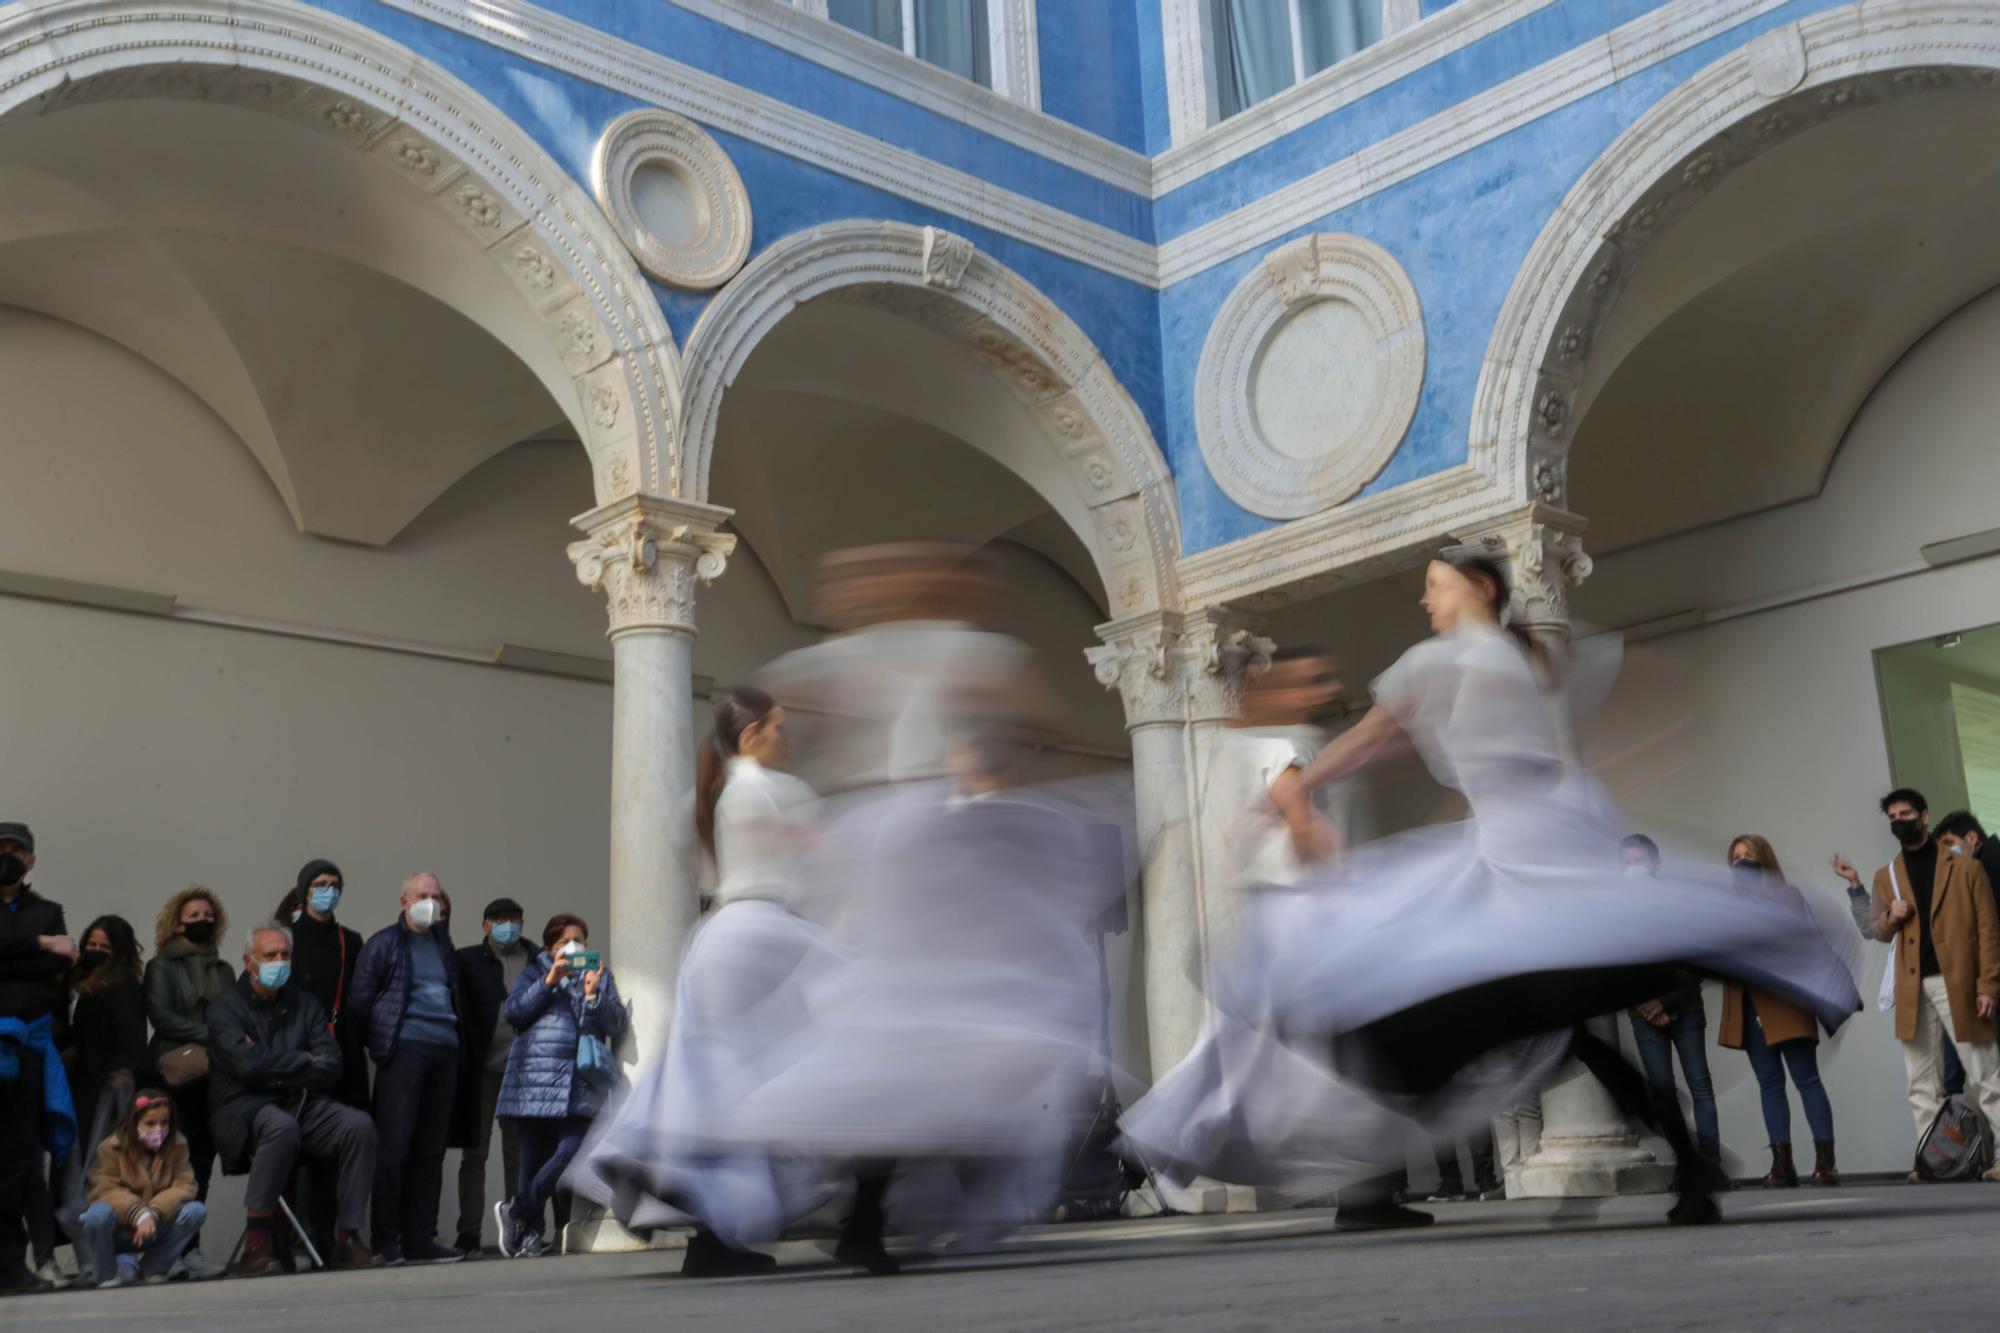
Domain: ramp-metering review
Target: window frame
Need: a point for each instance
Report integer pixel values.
(1195, 103)
(1013, 58)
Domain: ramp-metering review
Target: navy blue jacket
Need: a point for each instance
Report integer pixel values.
(541, 1081)
(381, 995)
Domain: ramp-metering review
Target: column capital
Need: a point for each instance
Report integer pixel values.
(1541, 550)
(645, 553)
(1177, 667)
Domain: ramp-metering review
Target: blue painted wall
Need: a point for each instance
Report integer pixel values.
(1461, 229)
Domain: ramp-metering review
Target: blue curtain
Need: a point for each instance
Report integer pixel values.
(1253, 56)
(1335, 29)
(953, 34)
(880, 19)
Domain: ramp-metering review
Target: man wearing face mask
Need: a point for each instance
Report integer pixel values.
(35, 951)
(275, 1065)
(487, 972)
(1937, 909)
(324, 957)
(406, 995)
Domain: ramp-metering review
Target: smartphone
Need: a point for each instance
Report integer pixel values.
(582, 961)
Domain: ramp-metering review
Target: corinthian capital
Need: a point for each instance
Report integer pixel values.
(645, 553)
(1170, 666)
(1541, 551)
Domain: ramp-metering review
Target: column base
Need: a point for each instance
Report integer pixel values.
(1593, 1168)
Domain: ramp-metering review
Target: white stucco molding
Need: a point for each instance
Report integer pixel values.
(647, 554)
(691, 181)
(1794, 77)
(943, 281)
(543, 234)
(1171, 668)
(1310, 375)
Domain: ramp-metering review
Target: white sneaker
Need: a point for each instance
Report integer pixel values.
(510, 1228)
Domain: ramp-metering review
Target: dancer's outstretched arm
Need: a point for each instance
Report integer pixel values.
(1375, 735)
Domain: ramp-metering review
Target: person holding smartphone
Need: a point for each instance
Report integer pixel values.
(566, 1015)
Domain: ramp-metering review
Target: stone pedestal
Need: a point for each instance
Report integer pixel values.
(1587, 1150)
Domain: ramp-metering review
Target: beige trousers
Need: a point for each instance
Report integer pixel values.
(1923, 1058)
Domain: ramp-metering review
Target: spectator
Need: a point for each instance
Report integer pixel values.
(35, 1111)
(1939, 911)
(550, 1088)
(1777, 1035)
(1675, 1023)
(1451, 1177)
(1862, 906)
(487, 971)
(406, 996)
(1963, 835)
(184, 974)
(276, 1068)
(107, 1031)
(324, 957)
(142, 1211)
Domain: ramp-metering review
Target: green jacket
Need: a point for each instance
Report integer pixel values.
(180, 981)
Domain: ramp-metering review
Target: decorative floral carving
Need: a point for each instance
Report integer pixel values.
(1771, 126)
(1173, 668)
(1548, 482)
(1572, 343)
(481, 209)
(1919, 80)
(604, 406)
(1841, 95)
(343, 117)
(1099, 474)
(1701, 169)
(418, 157)
(535, 268)
(946, 258)
(578, 332)
(1552, 411)
(1001, 352)
(618, 477)
(646, 565)
(1120, 535)
(1295, 270)
(1070, 421)
(1605, 275)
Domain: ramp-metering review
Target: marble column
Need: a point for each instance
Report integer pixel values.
(1179, 676)
(1587, 1148)
(646, 554)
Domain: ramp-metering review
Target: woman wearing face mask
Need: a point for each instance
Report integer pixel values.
(107, 1030)
(142, 1214)
(184, 974)
(1777, 1035)
(735, 1010)
(553, 1087)
(324, 954)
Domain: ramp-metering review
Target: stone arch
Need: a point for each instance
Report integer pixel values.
(941, 281)
(1786, 81)
(334, 76)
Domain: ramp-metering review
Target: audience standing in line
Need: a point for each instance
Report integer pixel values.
(406, 996)
(36, 950)
(1777, 1035)
(1938, 910)
(1675, 1024)
(185, 972)
(142, 1213)
(568, 1014)
(276, 1069)
(325, 955)
(487, 972)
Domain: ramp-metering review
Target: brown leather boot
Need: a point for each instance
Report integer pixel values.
(350, 1252)
(1783, 1174)
(1824, 1170)
(257, 1257)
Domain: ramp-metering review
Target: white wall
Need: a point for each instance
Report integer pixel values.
(1770, 722)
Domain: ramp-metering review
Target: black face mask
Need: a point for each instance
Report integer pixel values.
(91, 958)
(1909, 832)
(12, 870)
(1746, 872)
(199, 932)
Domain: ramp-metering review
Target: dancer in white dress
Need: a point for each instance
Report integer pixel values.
(1413, 984)
(668, 1152)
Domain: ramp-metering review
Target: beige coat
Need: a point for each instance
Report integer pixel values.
(1965, 931)
(1782, 1020)
(132, 1180)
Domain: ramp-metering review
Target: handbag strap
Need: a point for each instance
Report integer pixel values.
(1895, 885)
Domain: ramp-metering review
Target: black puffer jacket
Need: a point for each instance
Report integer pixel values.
(263, 1052)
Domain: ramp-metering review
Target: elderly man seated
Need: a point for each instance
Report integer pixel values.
(275, 1064)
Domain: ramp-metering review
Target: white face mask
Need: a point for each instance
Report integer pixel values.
(1638, 870)
(424, 913)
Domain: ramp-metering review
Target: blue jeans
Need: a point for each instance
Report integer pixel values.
(1801, 1056)
(1687, 1034)
(100, 1229)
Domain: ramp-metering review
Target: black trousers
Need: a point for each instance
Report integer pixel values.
(413, 1095)
(20, 1157)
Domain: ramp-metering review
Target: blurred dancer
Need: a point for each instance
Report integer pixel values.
(665, 1152)
(1436, 978)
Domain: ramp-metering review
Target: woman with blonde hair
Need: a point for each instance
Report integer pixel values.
(184, 974)
(1777, 1035)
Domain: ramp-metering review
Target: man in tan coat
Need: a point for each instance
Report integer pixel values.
(1937, 908)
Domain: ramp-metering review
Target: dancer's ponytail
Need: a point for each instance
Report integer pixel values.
(735, 711)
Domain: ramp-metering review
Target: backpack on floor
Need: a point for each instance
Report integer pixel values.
(1959, 1143)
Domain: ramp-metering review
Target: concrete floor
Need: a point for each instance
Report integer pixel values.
(1869, 1257)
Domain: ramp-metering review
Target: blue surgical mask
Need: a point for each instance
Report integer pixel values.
(273, 976)
(324, 898)
(506, 933)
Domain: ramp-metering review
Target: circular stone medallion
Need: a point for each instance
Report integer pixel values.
(674, 197)
(1310, 376)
